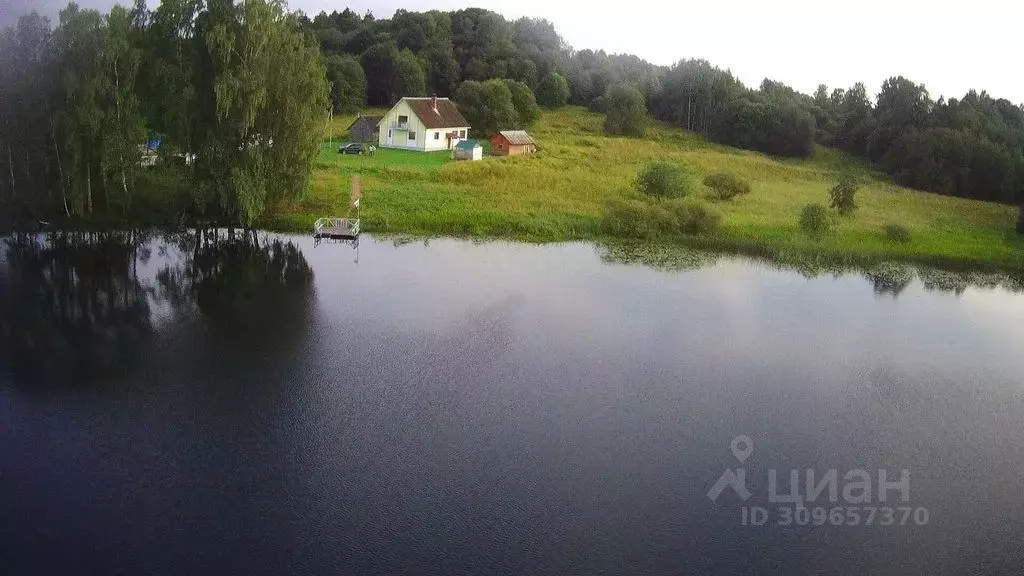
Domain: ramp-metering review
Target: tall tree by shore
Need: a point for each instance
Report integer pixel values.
(236, 91)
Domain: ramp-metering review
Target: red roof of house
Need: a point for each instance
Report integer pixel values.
(446, 115)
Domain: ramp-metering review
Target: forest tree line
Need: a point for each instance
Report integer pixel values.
(212, 77)
(236, 94)
(971, 147)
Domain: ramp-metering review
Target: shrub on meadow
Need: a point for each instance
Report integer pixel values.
(726, 186)
(628, 218)
(843, 196)
(897, 233)
(815, 220)
(700, 217)
(663, 180)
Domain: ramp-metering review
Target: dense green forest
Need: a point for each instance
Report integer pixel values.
(235, 92)
(239, 88)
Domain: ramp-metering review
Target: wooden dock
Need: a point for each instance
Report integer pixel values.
(336, 228)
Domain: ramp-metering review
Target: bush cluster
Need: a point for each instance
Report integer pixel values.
(697, 217)
(726, 186)
(629, 218)
(815, 220)
(635, 218)
(897, 233)
(664, 180)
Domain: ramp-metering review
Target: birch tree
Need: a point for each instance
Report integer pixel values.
(271, 97)
(79, 42)
(123, 131)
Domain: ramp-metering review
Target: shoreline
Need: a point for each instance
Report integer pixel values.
(786, 250)
(889, 273)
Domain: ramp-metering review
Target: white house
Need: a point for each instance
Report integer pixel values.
(424, 124)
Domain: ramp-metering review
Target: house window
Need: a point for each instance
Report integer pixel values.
(437, 135)
(412, 136)
(403, 119)
(462, 133)
(389, 133)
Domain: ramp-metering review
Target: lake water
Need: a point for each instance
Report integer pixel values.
(174, 407)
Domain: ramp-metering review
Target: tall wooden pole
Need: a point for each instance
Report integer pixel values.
(355, 193)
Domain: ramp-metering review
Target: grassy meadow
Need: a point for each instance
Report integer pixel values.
(560, 193)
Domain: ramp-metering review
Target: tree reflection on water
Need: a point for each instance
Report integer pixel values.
(72, 304)
(886, 278)
(78, 306)
(235, 279)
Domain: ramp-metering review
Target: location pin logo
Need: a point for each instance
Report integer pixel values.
(742, 447)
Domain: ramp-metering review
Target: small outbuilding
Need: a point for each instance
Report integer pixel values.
(468, 150)
(364, 129)
(512, 143)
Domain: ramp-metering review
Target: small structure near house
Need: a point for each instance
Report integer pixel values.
(424, 124)
(147, 153)
(147, 156)
(364, 129)
(468, 150)
(512, 143)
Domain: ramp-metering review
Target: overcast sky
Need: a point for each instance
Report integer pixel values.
(949, 46)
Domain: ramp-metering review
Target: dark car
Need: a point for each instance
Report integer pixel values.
(353, 148)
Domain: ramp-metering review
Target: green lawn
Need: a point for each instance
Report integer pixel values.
(559, 194)
(331, 159)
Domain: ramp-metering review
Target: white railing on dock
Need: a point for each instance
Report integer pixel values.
(336, 227)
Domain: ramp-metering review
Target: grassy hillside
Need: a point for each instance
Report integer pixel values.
(559, 194)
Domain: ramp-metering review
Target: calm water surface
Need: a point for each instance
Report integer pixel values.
(168, 407)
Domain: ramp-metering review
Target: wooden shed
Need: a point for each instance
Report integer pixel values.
(468, 150)
(364, 129)
(512, 143)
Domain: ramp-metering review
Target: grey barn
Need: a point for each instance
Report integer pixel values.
(364, 129)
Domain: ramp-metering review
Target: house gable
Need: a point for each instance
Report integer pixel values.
(364, 129)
